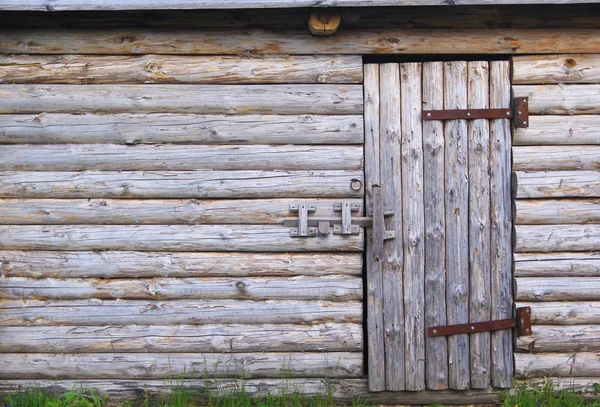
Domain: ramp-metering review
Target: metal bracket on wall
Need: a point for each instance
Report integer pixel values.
(522, 322)
(519, 113)
(346, 224)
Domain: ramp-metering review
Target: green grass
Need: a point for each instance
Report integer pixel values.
(236, 395)
(547, 396)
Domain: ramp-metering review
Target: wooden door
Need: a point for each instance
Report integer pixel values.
(448, 186)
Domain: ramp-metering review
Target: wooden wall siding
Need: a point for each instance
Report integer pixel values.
(392, 40)
(436, 176)
(141, 229)
(201, 99)
(124, 264)
(84, 69)
(557, 217)
(491, 16)
(174, 128)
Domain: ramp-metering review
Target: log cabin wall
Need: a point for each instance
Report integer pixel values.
(141, 202)
(557, 224)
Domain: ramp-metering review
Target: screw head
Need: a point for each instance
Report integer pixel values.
(472, 328)
(435, 331)
(429, 114)
(508, 113)
(527, 311)
(525, 122)
(468, 114)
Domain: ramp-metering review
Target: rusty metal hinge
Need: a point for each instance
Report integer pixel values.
(519, 112)
(522, 322)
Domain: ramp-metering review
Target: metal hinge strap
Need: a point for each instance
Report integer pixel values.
(519, 112)
(522, 322)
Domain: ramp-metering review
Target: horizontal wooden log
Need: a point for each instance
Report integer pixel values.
(557, 238)
(559, 99)
(178, 184)
(556, 130)
(497, 16)
(183, 338)
(113, 5)
(341, 389)
(256, 238)
(329, 288)
(557, 184)
(122, 264)
(180, 365)
(155, 212)
(107, 157)
(573, 338)
(563, 68)
(253, 41)
(563, 313)
(83, 69)
(528, 365)
(583, 385)
(201, 99)
(557, 288)
(556, 158)
(128, 128)
(582, 264)
(552, 212)
(96, 312)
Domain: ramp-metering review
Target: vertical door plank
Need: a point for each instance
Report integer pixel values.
(413, 225)
(457, 211)
(390, 170)
(501, 253)
(479, 223)
(436, 349)
(376, 355)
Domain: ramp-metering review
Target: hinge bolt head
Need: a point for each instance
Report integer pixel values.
(428, 114)
(472, 328)
(527, 311)
(435, 331)
(508, 113)
(522, 321)
(525, 122)
(468, 114)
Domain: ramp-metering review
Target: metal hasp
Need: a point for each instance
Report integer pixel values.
(519, 112)
(522, 323)
(346, 224)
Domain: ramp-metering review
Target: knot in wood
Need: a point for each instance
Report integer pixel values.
(241, 286)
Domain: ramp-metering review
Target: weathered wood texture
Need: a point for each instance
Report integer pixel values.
(413, 224)
(128, 128)
(167, 157)
(330, 337)
(202, 99)
(582, 364)
(253, 41)
(556, 158)
(557, 184)
(457, 227)
(95, 69)
(393, 254)
(479, 223)
(373, 272)
(65, 5)
(154, 212)
(344, 389)
(170, 238)
(98, 312)
(492, 16)
(436, 349)
(560, 99)
(580, 384)
(180, 184)
(329, 288)
(557, 289)
(184, 365)
(552, 212)
(501, 226)
(564, 68)
(560, 238)
(555, 130)
(583, 264)
(123, 264)
(546, 338)
(563, 313)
